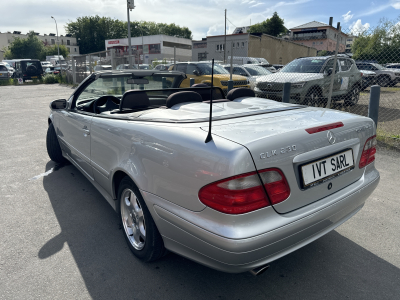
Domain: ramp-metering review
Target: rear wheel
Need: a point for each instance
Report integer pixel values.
(139, 229)
(53, 146)
(353, 96)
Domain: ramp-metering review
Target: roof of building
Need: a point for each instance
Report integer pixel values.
(310, 25)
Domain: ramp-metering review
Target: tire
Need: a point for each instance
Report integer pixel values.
(139, 229)
(53, 147)
(314, 98)
(353, 96)
(384, 81)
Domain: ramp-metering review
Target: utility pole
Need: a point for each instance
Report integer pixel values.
(225, 40)
(130, 6)
(58, 45)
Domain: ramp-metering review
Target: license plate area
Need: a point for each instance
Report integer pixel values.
(33, 76)
(324, 169)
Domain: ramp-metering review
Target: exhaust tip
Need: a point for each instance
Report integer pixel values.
(259, 270)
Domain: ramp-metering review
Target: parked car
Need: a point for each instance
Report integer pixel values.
(368, 79)
(201, 72)
(50, 70)
(310, 78)
(145, 67)
(5, 73)
(270, 178)
(162, 67)
(102, 67)
(385, 76)
(9, 67)
(278, 67)
(46, 64)
(262, 62)
(126, 66)
(252, 72)
(392, 66)
(28, 69)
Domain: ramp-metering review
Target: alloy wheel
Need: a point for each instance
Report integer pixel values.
(133, 219)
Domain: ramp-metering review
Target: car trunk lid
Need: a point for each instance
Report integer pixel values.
(280, 140)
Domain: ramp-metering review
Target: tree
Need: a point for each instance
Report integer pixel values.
(53, 50)
(29, 47)
(91, 32)
(273, 26)
(382, 44)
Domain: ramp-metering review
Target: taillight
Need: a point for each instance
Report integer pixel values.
(368, 153)
(245, 193)
(275, 184)
(324, 127)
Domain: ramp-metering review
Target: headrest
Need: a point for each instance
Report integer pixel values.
(240, 92)
(134, 99)
(181, 97)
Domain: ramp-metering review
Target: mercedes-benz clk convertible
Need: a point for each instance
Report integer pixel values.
(268, 179)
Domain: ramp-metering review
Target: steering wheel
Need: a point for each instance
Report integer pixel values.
(105, 103)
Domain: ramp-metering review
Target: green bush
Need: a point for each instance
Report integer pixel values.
(6, 82)
(50, 79)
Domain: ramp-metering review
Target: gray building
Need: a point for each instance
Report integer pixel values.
(48, 39)
(275, 50)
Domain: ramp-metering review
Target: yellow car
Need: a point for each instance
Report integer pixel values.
(201, 72)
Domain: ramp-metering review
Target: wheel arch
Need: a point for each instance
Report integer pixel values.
(116, 181)
(315, 88)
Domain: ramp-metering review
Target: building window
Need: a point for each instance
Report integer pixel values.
(62, 42)
(238, 44)
(322, 43)
(242, 44)
(217, 47)
(53, 41)
(233, 45)
(68, 42)
(74, 49)
(202, 56)
(69, 49)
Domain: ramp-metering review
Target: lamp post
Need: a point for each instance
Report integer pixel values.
(58, 44)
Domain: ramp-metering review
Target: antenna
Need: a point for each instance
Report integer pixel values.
(209, 137)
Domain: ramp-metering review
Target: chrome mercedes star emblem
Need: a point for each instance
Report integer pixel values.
(331, 137)
(269, 85)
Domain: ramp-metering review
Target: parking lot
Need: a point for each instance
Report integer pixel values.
(60, 239)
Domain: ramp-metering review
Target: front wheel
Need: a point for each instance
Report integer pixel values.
(53, 146)
(139, 229)
(353, 96)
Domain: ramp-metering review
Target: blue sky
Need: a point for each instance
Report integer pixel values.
(202, 17)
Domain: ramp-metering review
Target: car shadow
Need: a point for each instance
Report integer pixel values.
(332, 267)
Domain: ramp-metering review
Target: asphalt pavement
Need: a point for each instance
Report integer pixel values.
(60, 239)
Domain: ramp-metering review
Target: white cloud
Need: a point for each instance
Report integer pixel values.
(396, 4)
(357, 27)
(347, 17)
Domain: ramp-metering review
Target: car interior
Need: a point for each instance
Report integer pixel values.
(140, 100)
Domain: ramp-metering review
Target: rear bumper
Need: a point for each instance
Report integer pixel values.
(294, 230)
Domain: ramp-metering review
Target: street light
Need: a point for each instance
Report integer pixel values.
(58, 44)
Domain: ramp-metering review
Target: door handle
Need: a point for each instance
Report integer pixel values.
(86, 132)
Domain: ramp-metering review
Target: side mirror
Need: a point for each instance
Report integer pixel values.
(195, 72)
(58, 104)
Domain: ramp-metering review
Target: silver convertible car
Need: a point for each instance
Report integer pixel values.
(267, 179)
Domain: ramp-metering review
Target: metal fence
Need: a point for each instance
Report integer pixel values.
(331, 77)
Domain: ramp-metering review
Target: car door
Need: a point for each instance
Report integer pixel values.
(74, 133)
(344, 76)
(3, 72)
(336, 77)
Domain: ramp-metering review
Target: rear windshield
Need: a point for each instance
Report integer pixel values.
(304, 66)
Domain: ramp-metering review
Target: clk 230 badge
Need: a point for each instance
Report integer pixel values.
(268, 154)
